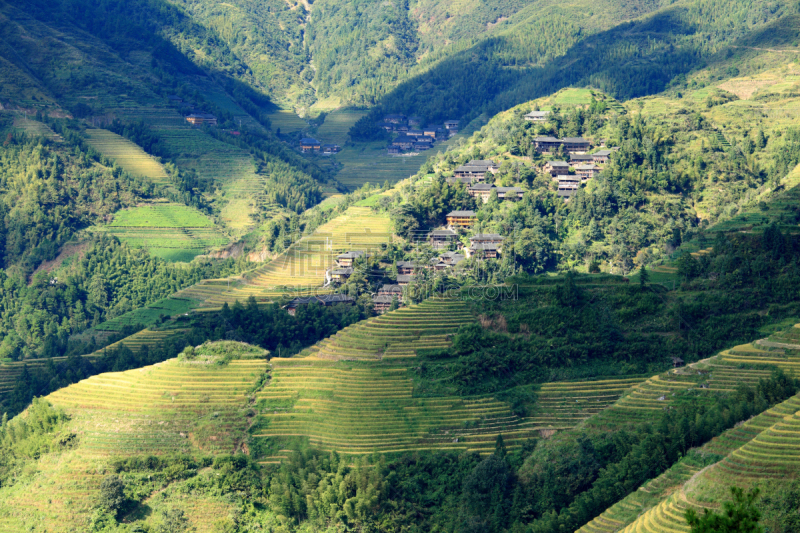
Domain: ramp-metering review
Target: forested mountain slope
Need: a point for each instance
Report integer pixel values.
(550, 50)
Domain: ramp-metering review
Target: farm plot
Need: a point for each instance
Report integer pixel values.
(164, 408)
(229, 168)
(287, 121)
(563, 405)
(196, 406)
(127, 155)
(370, 163)
(10, 371)
(651, 493)
(353, 393)
(303, 266)
(35, 128)
(149, 315)
(171, 231)
(337, 126)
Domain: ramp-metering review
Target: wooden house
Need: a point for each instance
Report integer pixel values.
(483, 250)
(408, 267)
(404, 142)
(309, 144)
(340, 275)
(404, 279)
(430, 131)
(509, 193)
(677, 362)
(476, 169)
(451, 125)
(441, 238)
(601, 156)
(331, 148)
(556, 167)
(451, 258)
(537, 116)
(580, 159)
(421, 146)
(494, 238)
(577, 145)
(415, 133)
(461, 218)
(391, 290)
(347, 259)
(201, 119)
(174, 99)
(481, 190)
(395, 119)
(545, 145)
(326, 300)
(568, 186)
(402, 128)
(414, 120)
(587, 171)
(381, 303)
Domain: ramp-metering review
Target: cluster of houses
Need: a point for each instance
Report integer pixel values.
(411, 137)
(586, 167)
(473, 175)
(482, 246)
(309, 145)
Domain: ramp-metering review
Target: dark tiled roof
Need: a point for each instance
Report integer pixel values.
(575, 140)
(342, 272)
(383, 299)
(461, 214)
(443, 233)
(486, 237)
(308, 140)
(350, 255)
(405, 278)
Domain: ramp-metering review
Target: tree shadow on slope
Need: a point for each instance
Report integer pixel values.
(630, 60)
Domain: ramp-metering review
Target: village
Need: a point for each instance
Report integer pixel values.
(411, 138)
(569, 161)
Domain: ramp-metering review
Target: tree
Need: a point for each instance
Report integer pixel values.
(112, 494)
(738, 516)
(594, 267)
(644, 277)
(688, 267)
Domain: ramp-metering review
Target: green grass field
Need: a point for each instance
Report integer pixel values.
(171, 231)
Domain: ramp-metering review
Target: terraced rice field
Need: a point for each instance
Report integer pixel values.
(745, 364)
(287, 121)
(10, 371)
(149, 338)
(768, 445)
(652, 493)
(162, 408)
(172, 407)
(230, 168)
(337, 125)
(172, 231)
(563, 405)
(302, 267)
(148, 315)
(35, 128)
(354, 393)
(370, 163)
(127, 155)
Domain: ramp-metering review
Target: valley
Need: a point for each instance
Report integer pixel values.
(403, 266)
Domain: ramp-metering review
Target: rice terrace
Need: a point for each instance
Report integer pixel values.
(401, 267)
